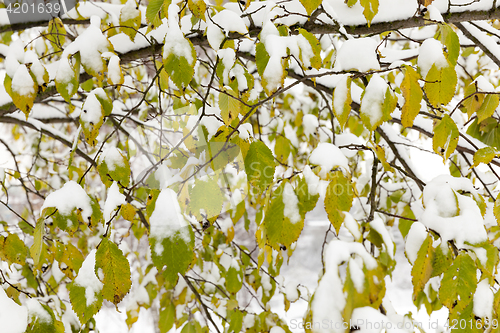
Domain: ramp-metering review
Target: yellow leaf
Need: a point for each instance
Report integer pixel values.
(413, 95)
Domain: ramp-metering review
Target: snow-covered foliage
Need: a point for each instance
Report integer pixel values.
(256, 166)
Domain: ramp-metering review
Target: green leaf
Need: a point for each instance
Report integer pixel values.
(440, 85)
(261, 58)
(36, 248)
(86, 300)
(198, 8)
(315, 47)
(130, 19)
(175, 252)
(310, 5)
(154, 13)
(56, 33)
(474, 102)
(484, 155)
(370, 9)
(259, 165)
(40, 324)
(338, 198)
(66, 85)
(280, 230)
(235, 321)
(459, 283)
(13, 249)
(24, 89)
(167, 314)
(206, 195)
(413, 96)
(113, 270)
(342, 100)
(489, 106)
(449, 38)
(282, 148)
(229, 105)
(70, 259)
(307, 201)
(372, 113)
(445, 137)
(179, 68)
(113, 166)
(496, 209)
(234, 280)
(486, 131)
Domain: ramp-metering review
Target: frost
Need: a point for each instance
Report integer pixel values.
(328, 156)
(357, 54)
(167, 219)
(114, 199)
(87, 279)
(13, 317)
(431, 53)
(373, 99)
(483, 300)
(69, 197)
(291, 204)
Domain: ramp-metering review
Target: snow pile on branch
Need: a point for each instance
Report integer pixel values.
(69, 197)
(452, 211)
(328, 156)
(357, 54)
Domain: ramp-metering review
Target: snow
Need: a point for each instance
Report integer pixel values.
(373, 99)
(13, 317)
(414, 240)
(311, 179)
(452, 215)
(291, 204)
(277, 329)
(230, 21)
(378, 225)
(113, 200)
(310, 123)
(175, 43)
(167, 220)
(114, 70)
(328, 156)
(129, 11)
(291, 291)
(340, 94)
(431, 53)
(357, 275)
(92, 112)
(329, 300)
(488, 41)
(69, 197)
(357, 54)
(35, 309)
(483, 300)
(112, 157)
(22, 82)
(87, 279)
